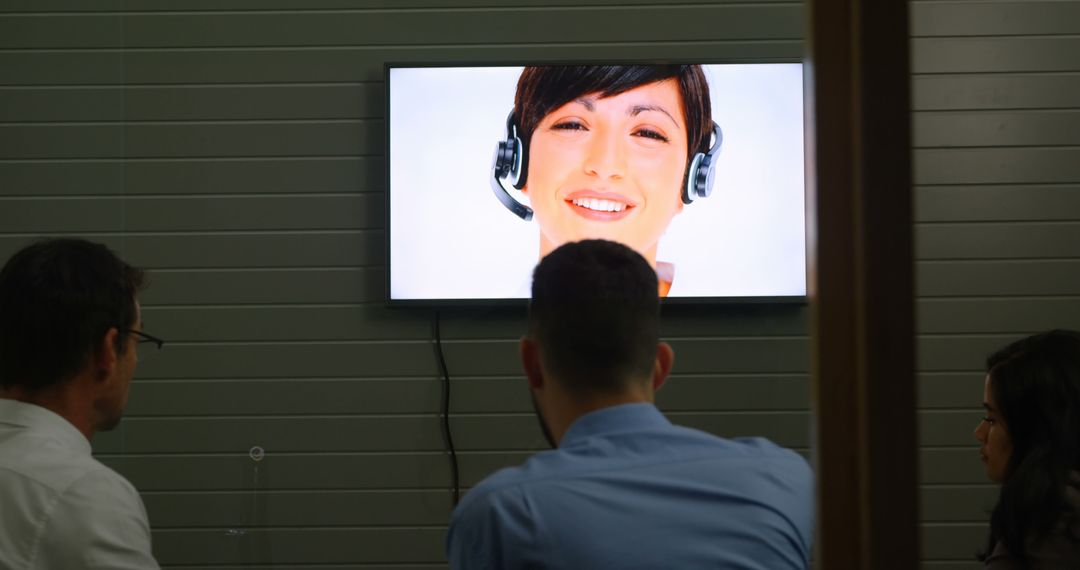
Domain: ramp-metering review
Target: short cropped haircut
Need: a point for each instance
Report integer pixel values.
(58, 298)
(595, 314)
(541, 90)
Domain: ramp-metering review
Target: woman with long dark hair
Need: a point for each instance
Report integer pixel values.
(1030, 443)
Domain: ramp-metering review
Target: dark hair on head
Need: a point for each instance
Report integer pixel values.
(542, 89)
(58, 298)
(1035, 383)
(595, 313)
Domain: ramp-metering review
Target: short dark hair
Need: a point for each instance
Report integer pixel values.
(542, 89)
(1035, 383)
(58, 298)
(595, 313)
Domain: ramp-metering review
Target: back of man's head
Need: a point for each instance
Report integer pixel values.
(58, 298)
(595, 314)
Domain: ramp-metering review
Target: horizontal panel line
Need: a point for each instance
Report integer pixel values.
(719, 376)
(183, 85)
(127, 50)
(1001, 147)
(994, 73)
(253, 158)
(9, 160)
(454, 341)
(935, 186)
(250, 491)
(328, 566)
(267, 306)
(1019, 72)
(966, 259)
(954, 486)
(999, 35)
(434, 8)
(449, 341)
(198, 122)
(1004, 298)
(192, 196)
(227, 233)
(208, 85)
(998, 222)
(311, 528)
(954, 524)
(934, 336)
(997, 297)
(987, 110)
(937, 371)
(270, 454)
(434, 377)
(969, 261)
(267, 269)
(350, 491)
(435, 414)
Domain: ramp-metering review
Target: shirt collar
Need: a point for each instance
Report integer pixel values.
(613, 419)
(42, 420)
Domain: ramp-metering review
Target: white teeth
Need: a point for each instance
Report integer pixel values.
(599, 205)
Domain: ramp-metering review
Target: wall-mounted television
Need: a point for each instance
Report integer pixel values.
(699, 167)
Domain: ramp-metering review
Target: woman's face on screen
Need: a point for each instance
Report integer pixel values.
(609, 168)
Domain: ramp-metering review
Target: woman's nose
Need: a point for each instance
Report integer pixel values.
(606, 157)
(980, 433)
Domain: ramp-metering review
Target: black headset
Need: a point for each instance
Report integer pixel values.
(511, 166)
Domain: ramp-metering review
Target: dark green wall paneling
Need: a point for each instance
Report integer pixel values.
(996, 99)
(234, 148)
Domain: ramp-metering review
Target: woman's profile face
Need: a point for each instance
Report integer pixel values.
(995, 444)
(609, 168)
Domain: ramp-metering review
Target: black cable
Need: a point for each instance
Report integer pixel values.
(448, 437)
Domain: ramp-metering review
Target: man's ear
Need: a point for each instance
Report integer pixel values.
(106, 357)
(665, 359)
(530, 362)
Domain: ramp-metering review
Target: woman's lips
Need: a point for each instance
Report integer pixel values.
(599, 206)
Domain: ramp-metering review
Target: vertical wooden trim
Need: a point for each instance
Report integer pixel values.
(861, 284)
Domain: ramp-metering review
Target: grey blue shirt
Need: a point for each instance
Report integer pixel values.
(627, 489)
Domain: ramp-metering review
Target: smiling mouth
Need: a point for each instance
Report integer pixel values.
(600, 204)
(606, 207)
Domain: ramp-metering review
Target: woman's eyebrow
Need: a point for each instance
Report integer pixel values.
(586, 102)
(638, 109)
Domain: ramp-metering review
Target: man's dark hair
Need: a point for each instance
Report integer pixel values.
(1035, 382)
(541, 90)
(58, 298)
(595, 313)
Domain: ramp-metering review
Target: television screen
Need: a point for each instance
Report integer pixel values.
(697, 167)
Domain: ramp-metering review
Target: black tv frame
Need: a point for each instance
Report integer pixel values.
(789, 300)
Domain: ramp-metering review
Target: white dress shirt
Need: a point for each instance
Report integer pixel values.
(59, 507)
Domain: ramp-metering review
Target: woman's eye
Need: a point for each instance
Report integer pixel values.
(651, 134)
(568, 126)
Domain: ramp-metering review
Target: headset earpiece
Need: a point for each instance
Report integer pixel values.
(702, 170)
(510, 165)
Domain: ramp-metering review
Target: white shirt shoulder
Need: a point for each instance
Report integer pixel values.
(61, 507)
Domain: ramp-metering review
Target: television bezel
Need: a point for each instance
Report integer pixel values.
(451, 303)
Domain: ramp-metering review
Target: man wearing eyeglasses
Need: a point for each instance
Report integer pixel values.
(69, 326)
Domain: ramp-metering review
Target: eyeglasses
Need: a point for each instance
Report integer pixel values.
(147, 338)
